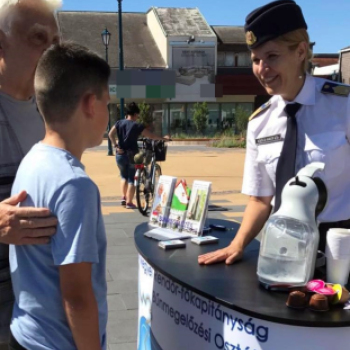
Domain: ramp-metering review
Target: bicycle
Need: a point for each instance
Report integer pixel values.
(148, 172)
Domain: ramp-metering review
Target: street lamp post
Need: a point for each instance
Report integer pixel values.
(121, 53)
(106, 35)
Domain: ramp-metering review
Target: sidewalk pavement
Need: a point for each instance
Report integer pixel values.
(223, 167)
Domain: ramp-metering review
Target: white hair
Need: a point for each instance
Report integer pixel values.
(6, 6)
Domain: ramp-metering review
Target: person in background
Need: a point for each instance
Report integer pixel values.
(27, 29)
(306, 120)
(127, 132)
(60, 288)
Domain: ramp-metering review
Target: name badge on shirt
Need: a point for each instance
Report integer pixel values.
(268, 139)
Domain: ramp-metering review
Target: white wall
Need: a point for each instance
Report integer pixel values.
(158, 34)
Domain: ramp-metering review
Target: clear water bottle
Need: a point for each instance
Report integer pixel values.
(290, 236)
(287, 252)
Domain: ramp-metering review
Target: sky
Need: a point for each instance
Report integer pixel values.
(328, 20)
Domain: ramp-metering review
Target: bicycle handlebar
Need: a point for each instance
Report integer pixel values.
(147, 139)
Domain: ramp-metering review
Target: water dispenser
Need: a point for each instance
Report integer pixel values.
(290, 236)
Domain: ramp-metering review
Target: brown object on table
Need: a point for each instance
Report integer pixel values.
(299, 289)
(297, 300)
(319, 302)
(341, 297)
(345, 296)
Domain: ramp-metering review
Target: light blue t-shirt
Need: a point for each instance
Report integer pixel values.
(55, 179)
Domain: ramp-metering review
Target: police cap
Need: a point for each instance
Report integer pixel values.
(272, 20)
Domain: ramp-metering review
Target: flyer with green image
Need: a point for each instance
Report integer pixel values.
(179, 205)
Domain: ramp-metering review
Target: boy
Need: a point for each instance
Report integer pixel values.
(60, 287)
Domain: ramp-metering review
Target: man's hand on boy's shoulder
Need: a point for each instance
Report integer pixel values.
(25, 225)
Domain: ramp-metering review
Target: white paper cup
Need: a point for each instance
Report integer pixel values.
(338, 255)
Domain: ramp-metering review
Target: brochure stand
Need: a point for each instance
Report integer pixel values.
(179, 212)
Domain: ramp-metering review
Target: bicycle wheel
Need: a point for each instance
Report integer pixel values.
(143, 195)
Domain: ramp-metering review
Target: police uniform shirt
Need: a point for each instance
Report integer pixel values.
(323, 136)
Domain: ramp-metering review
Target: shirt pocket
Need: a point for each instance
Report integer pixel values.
(331, 148)
(268, 156)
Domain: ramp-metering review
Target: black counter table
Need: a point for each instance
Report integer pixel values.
(231, 287)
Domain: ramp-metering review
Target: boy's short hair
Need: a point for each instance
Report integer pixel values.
(65, 73)
(132, 109)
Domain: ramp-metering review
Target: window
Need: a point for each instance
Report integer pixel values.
(214, 116)
(233, 59)
(228, 114)
(165, 119)
(243, 59)
(158, 120)
(221, 59)
(229, 59)
(177, 118)
(213, 120)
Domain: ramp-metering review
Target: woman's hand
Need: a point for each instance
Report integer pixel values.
(255, 215)
(230, 254)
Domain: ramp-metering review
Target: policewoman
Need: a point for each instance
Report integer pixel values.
(306, 120)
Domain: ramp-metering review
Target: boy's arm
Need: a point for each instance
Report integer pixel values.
(80, 305)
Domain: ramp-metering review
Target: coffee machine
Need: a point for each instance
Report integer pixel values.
(290, 236)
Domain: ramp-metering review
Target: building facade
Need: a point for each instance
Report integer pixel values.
(344, 63)
(211, 64)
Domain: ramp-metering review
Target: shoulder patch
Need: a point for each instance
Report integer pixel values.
(262, 108)
(335, 89)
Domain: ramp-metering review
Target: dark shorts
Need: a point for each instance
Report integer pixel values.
(127, 170)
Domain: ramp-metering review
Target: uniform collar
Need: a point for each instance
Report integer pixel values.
(306, 95)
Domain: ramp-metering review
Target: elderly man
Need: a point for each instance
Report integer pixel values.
(27, 29)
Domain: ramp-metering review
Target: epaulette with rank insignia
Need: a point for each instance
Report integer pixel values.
(335, 89)
(260, 109)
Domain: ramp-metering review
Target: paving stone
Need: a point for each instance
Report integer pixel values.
(123, 267)
(124, 346)
(113, 234)
(130, 300)
(120, 250)
(122, 331)
(130, 231)
(116, 302)
(122, 286)
(120, 241)
(108, 276)
(122, 315)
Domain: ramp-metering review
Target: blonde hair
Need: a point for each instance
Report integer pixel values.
(293, 39)
(6, 6)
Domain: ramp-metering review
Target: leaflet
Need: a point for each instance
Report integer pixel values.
(162, 200)
(197, 207)
(179, 204)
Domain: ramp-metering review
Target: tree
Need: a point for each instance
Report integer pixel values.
(200, 116)
(146, 115)
(242, 118)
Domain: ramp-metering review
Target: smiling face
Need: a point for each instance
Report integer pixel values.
(278, 68)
